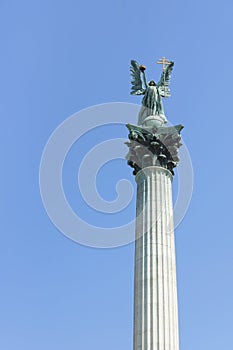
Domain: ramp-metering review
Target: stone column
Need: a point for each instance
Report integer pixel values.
(155, 289)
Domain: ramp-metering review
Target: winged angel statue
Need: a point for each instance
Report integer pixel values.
(152, 101)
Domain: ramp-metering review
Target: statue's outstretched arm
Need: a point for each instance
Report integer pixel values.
(144, 79)
(142, 69)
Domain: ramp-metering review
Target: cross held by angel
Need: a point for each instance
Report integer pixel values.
(152, 107)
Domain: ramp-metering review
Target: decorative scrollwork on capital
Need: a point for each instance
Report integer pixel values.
(153, 146)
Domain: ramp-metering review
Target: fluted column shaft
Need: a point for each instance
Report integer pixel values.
(155, 289)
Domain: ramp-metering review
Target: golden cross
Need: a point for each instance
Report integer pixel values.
(164, 62)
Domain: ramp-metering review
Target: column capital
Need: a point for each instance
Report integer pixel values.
(153, 146)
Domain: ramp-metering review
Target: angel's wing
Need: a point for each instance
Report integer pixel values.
(136, 80)
(163, 84)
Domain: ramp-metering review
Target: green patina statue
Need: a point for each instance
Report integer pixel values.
(152, 101)
(151, 143)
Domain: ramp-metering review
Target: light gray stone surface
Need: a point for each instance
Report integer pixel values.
(155, 289)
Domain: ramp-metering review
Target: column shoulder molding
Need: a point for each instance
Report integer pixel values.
(145, 172)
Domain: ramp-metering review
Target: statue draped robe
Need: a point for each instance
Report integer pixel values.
(151, 104)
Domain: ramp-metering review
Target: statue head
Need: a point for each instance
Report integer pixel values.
(152, 83)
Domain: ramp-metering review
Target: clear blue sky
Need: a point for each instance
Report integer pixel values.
(58, 57)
